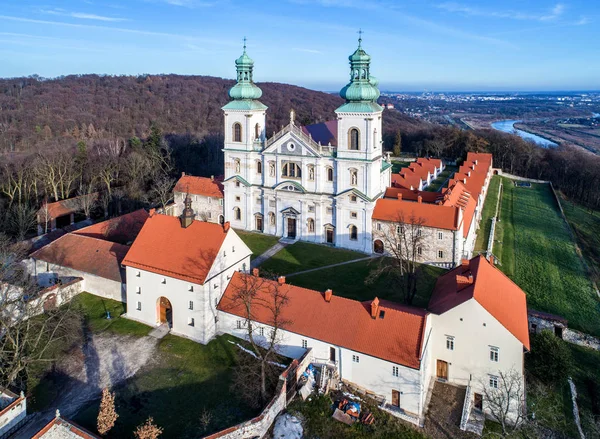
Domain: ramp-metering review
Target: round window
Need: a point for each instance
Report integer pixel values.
(291, 146)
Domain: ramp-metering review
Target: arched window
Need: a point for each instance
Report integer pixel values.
(329, 174)
(221, 219)
(353, 177)
(353, 233)
(271, 219)
(237, 132)
(237, 166)
(259, 167)
(378, 246)
(291, 170)
(311, 225)
(237, 213)
(353, 138)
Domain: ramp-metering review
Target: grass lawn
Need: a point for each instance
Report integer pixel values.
(398, 165)
(586, 225)
(441, 179)
(349, 281)
(304, 256)
(318, 422)
(187, 380)
(258, 242)
(586, 376)
(536, 250)
(489, 209)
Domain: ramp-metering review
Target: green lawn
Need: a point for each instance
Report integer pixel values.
(258, 242)
(304, 256)
(349, 281)
(536, 250)
(441, 179)
(489, 209)
(188, 379)
(585, 223)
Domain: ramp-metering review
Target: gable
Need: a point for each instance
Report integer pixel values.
(291, 144)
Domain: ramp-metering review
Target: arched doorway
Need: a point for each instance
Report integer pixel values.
(221, 219)
(378, 246)
(165, 311)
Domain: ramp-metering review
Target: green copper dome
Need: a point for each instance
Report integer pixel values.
(245, 90)
(362, 87)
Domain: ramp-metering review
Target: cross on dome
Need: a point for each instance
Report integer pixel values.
(360, 33)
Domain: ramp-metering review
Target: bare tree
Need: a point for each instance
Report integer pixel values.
(21, 219)
(505, 401)
(403, 241)
(87, 200)
(148, 430)
(107, 415)
(263, 300)
(27, 341)
(55, 169)
(162, 189)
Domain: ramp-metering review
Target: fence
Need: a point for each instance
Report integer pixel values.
(259, 426)
(466, 408)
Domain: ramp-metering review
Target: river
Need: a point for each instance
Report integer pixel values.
(507, 126)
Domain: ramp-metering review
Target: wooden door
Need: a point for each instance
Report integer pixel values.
(395, 398)
(291, 223)
(478, 401)
(332, 354)
(163, 313)
(442, 369)
(329, 238)
(259, 223)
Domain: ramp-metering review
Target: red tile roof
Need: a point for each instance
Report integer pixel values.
(413, 195)
(82, 253)
(122, 229)
(397, 337)
(325, 132)
(436, 162)
(432, 215)
(458, 196)
(491, 288)
(165, 247)
(62, 207)
(406, 180)
(199, 186)
(478, 172)
(67, 429)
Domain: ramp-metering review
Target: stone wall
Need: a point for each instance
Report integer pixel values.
(259, 426)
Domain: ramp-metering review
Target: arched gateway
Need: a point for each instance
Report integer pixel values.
(164, 311)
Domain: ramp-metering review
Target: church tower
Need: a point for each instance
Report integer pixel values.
(359, 128)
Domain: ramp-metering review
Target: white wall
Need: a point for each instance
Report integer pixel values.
(206, 208)
(12, 414)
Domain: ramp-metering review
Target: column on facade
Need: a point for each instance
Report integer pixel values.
(319, 224)
(340, 229)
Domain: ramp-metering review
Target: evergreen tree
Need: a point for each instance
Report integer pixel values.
(398, 144)
(154, 140)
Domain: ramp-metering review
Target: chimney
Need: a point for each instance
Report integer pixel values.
(463, 281)
(328, 294)
(400, 197)
(374, 308)
(226, 226)
(281, 280)
(151, 212)
(464, 264)
(212, 178)
(469, 173)
(419, 199)
(492, 261)
(475, 161)
(464, 181)
(255, 272)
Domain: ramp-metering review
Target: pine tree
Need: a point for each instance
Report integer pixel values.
(148, 430)
(398, 144)
(154, 140)
(107, 414)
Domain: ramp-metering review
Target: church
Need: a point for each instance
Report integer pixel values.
(317, 183)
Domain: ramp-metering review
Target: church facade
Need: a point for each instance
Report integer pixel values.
(317, 183)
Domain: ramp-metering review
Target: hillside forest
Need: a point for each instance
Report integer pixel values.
(129, 137)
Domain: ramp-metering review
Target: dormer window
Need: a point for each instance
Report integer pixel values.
(353, 139)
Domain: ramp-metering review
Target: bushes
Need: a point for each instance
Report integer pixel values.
(550, 359)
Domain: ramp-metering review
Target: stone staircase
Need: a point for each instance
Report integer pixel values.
(444, 412)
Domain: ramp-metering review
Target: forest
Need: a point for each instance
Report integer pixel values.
(129, 137)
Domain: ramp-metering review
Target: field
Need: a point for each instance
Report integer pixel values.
(585, 223)
(258, 242)
(302, 256)
(489, 209)
(182, 381)
(535, 249)
(349, 281)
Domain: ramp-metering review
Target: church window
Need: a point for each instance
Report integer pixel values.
(329, 174)
(353, 233)
(256, 131)
(238, 198)
(353, 138)
(237, 213)
(311, 225)
(292, 170)
(353, 215)
(311, 208)
(237, 166)
(353, 177)
(259, 167)
(353, 198)
(237, 132)
(311, 172)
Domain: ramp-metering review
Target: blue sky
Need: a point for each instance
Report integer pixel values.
(415, 44)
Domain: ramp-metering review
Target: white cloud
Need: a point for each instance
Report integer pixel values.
(553, 14)
(300, 49)
(81, 15)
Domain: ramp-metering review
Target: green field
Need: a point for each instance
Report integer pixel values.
(535, 249)
(349, 281)
(489, 209)
(437, 184)
(258, 242)
(585, 223)
(302, 256)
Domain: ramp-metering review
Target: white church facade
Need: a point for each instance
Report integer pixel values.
(317, 183)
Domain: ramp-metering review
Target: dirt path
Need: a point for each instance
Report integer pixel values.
(106, 360)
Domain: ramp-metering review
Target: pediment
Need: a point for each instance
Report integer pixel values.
(290, 211)
(290, 186)
(292, 144)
